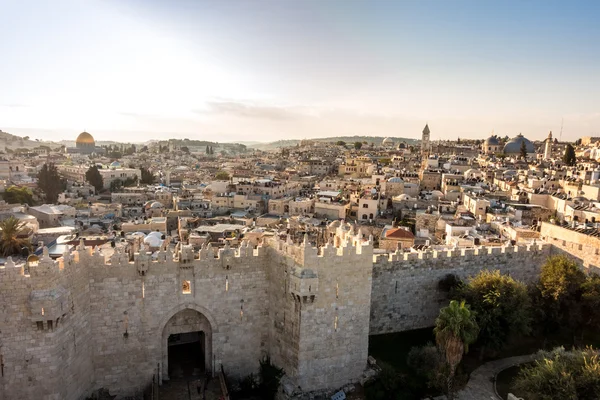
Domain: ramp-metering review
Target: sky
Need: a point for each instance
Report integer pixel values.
(258, 70)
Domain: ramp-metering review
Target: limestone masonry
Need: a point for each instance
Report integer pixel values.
(85, 322)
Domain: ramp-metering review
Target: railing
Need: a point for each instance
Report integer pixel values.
(151, 391)
(223, 382)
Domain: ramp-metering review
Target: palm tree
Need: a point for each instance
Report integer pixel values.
(455, 329)
(10, 243)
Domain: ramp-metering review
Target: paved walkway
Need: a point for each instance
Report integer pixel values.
(481, 381)
(187, 389)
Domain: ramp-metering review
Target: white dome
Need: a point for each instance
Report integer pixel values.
(395, 180)
(437, 194)
(473, 173)
(156, 204)
(152, 241)
(402, 197)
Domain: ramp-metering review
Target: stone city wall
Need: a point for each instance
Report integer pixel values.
(583, 247)
(405, 292)
(86, 322)
(330, 288)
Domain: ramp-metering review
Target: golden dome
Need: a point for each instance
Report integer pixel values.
(85, 138)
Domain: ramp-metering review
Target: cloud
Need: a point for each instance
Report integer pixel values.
(14, 105)
(136, 115)
(254, 110)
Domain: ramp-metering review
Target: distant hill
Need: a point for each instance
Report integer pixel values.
(348, 139)
(13, 142)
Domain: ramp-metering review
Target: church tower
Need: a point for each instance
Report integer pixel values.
(548, 147)
(425, 147)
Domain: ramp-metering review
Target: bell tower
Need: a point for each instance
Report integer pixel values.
(548, 147)
(425, 147)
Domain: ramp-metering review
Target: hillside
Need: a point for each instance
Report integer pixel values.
(13, 142)
(348, 139)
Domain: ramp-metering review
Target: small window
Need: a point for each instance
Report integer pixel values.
(186, 287)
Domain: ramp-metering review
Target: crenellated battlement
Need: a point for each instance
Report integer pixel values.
(349, 245)
(48, 271)
(403, 259)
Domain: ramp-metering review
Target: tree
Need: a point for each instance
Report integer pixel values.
(340, 143)
(429, 368)
(94, 178)
(50, 183)
(222, 176)
(523, 150)
(116, 185)
(185, 149)
(557, 296)
(590, 301)
(569, 157)
(560, 374)
(148, 177)
(18, 195)
(270, 376)
(357, 145)
(502, 307)
(455, 329)
(10, 243)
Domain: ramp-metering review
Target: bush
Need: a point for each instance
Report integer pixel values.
(502, 307)
(561, 374)
(386, 386)
(430, 369)
(270, 375)
(449, 283)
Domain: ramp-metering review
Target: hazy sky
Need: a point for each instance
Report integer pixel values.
(133, 70)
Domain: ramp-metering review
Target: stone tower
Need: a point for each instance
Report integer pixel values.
(548, 147)
(425, 147)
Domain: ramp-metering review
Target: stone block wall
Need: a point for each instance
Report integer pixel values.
(583, 247)
(85, 322)
(110, 331)
(323, 343)
(405, 292)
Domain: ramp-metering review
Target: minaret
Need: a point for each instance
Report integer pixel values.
(548, 147)
(425, 147)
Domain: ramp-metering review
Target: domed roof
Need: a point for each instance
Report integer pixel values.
(402, 197)
(153, 241)
(156, 204)
(395, 180)
(492, 141)
(115, 164)
(514, 145)
(387, 141)
(472, 172)
(436, 194)
(85, 138)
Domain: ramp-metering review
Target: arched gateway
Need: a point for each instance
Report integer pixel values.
(187, 342)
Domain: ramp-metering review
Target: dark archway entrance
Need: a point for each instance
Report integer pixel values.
(186, 354)
(187, 345)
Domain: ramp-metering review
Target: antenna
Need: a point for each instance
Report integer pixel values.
(561, 127)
